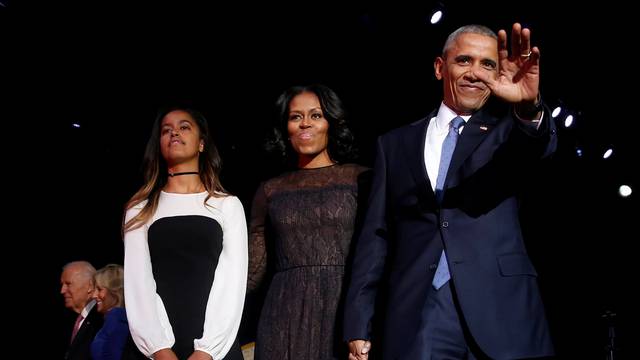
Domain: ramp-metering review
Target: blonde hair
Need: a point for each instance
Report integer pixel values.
(111, 277)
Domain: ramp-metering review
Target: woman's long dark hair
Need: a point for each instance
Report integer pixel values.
(340, 146)
(155, 168)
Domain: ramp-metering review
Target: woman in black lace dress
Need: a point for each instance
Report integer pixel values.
(311, 213)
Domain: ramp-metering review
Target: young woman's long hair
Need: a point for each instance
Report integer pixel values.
(155, 169)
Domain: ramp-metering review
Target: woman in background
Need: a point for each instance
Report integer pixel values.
(110, 340)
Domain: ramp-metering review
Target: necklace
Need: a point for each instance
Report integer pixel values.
(183, 173)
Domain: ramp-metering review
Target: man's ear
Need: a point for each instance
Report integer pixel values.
(437, 67)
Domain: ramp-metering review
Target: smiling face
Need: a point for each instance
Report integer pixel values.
(308, 130)
(105, 300)
(470, 53)
(180, 141)
(109, 292)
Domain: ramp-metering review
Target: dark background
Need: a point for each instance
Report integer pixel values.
(108, 66)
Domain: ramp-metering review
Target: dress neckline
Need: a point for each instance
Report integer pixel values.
(185, 194)
(318, 168)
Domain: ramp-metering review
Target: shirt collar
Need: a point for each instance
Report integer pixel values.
(445, 115)
(87, 308)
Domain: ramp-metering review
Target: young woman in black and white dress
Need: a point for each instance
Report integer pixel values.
(185, 247)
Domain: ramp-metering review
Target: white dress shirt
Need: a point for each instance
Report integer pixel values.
(436, 133)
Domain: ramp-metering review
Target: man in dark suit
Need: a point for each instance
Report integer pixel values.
(77, 287)
(443, 215)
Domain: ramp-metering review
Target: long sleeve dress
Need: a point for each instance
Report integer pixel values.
(185, 275)
(312, 213)
(111, 338)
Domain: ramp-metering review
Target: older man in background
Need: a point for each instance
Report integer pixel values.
(77, 287)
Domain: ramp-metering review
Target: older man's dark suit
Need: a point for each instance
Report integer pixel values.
(80, 347)
(405, 230)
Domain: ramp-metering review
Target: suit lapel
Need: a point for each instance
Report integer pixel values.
(414, 151)
(86, 324)
(476, 129)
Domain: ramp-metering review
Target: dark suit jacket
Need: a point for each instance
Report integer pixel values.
(405, 230)
(80, 348)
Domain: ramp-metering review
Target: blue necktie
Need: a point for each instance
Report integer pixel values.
(442, 272)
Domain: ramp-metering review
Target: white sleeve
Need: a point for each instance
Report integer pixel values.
(226, 299)
(148, 321)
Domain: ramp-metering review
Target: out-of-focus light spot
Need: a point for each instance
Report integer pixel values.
(556, 112)
(568, 121)
(437, 16)
(607, 153)
(625, 190)
(75, 125)
(579, 152)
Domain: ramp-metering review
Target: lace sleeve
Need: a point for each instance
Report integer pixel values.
(257, 246)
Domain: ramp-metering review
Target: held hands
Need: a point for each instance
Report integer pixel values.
(519, 77)
(164, 354)
(168, 354)
(200, 355)
(359, 349)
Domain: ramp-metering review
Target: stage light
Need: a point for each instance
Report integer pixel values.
(556, 112)
(625, 191)
(579, 152)
(436, 16)
(75, 125)
(568, 121)
(607, 153)
(437, 12)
